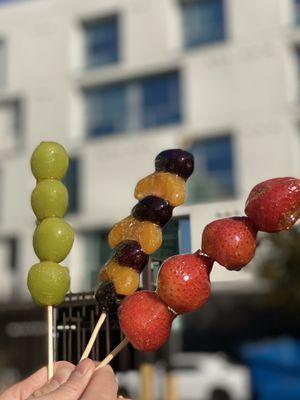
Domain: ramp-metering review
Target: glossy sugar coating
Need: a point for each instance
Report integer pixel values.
(153, 209)
(146, 233)
(176, 161)
(49, 161)
(230, 241)
(145, 320)
(48, 283)
(274, 205)
(103, 275)
(53, 239)
(168, 186)
(49, 199)
(106, 297)
(183, 281)
(130, 254)
(126, 280)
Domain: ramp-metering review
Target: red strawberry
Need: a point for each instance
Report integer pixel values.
(146, 320)
(183, 281)
(274, 205)
(230, 241)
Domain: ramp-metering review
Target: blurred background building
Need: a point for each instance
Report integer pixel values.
(116, 82)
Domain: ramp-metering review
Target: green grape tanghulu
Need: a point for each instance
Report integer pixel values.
(48, 282)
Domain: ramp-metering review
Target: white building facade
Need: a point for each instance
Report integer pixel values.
(116, 82)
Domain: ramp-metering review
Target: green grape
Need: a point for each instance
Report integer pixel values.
(53, 239)
(49, 160)
(48, 283)
(49, 199)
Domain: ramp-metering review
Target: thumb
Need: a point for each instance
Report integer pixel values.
(76, 384)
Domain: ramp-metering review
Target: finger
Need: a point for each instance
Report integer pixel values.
(22, 390)
(73, 388)
(102, 386)
(62, 372)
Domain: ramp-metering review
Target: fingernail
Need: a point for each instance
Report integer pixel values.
(84, 367)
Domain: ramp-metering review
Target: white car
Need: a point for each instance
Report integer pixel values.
(198, 376)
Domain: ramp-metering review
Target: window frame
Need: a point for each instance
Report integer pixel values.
(217, 134)
(135, 109)
(85, 24)
(3, 79)
(77, 209)
(203, 43)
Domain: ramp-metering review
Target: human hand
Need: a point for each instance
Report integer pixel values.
(68, 383)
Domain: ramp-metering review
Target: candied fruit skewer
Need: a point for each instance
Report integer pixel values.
(48, 282)
(149, 215)
(138, 235)
(230, 241)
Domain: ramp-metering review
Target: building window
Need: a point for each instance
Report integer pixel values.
(71, 180)
(11, 124)
(106, 110)
(97, 253)
(9, 253)
(213, 178)
(2, 64)
(160, 96)
(203, 22)
(101, 42)
(12, 244)
(297, 11)
(134, 105)
(176, 239)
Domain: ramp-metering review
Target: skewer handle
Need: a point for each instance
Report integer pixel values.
(50, 341)
(111, 355)
(93, 337)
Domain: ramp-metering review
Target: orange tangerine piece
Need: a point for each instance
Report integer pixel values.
(126, 280)
(146, 233)
(168, 186)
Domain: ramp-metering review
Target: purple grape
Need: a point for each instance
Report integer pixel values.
(130, 254)
(176, 161)
(153, 209)
(106, 297)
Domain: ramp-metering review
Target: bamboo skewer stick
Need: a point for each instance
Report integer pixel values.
(113, 353)
(50, 341)
(93, 337)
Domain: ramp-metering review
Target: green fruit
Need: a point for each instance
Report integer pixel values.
(48, 283)
(49, 160)
(49, 199)
(53, 239)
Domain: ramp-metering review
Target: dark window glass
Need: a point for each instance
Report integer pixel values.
(297, 11)
(203, 22)
(106, 110)
(160, 100)
(71, 180)
(101, 37)
(12, 244)
(213, 178)
(97, 253)
(2, 64)
(144, 103)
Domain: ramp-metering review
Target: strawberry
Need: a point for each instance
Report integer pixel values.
(230, 241)
(274, 205)
(183, 281)
(146, 320)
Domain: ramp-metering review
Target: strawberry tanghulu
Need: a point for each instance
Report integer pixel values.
(274, 205)
(183, 283)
